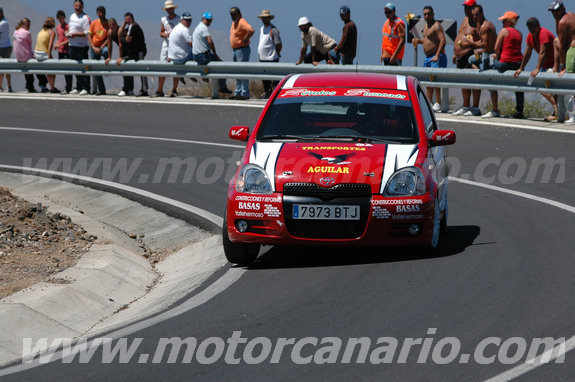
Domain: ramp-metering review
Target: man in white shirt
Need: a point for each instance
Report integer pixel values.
(79, 29)
(5, 48)
(169, 22)
(204, 50)
(269, 47)
(180, 45)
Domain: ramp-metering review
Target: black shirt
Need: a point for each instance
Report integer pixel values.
(138, 44)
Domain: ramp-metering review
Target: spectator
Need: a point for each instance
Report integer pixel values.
(43, 51)
(347, 46)
(180, 45)
(393, 40)
(204, 50)
(434, 48)
(484, 48)
(541, 40)
(23, 49)
(565, 23)
(168, 22)
(240, 34)
(508, 57)
(78, 31)
(99, 46)
(5, 49)
(321, 45)
(114, 37)
(134, 48)
(462, 51)
(269, 46)
(62, 45)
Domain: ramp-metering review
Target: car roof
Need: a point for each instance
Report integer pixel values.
(347, 80)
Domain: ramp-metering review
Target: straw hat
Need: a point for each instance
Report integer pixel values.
(169, 4)
(266, 13)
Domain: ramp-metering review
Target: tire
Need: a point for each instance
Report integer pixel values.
(438, 222)
(239, 253)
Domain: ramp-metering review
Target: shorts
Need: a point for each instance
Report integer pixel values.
(463, 62)
(570, 60)
(164, 52)
(441, 63)
(40, 56)
(5, 52)
(483, 62)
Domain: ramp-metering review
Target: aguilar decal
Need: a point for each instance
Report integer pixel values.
(396, 157)
(326, 169)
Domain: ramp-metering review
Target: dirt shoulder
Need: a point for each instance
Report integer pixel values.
(35, 244)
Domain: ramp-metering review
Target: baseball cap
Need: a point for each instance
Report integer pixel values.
(344, 10)
(508, 15)
(207, 15)
(470, 3)
(186, 16)
(555, 5)
(390, 6)
(303, 21)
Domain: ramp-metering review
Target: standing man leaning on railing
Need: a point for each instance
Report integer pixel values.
(99, 46)
(240, 34)
(78, 32)
(134, 47)
(393, 37)
(168, 23)
(347, 46)
(62, 45)
(5, 49)
(566, 33)
(269, 46)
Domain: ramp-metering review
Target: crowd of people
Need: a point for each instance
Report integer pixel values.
(477, 45)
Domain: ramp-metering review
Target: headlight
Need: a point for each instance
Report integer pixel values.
(407, 181)
(254, 180)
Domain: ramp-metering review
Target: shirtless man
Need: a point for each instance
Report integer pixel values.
(434, 48)
(565, 22)
(462, 50)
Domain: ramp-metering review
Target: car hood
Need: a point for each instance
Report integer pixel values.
(329, 164)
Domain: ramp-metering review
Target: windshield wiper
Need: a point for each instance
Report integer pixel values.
(282, 136)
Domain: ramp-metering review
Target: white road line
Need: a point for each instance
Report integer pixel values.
(140, 137)
(557, 351)
(510, 125)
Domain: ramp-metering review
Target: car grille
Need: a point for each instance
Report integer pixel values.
(337, 191)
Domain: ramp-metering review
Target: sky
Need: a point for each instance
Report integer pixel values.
(368, 15)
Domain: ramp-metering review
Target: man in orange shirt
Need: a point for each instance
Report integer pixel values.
(393, 41)
(99, 46)
(240, 34)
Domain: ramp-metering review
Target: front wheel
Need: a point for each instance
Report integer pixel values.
(439, 225)
(238, 253)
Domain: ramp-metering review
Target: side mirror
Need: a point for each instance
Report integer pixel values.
(443, 138)
(240, 133)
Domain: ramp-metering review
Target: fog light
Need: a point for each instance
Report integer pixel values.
(242, 225)
(414, 229)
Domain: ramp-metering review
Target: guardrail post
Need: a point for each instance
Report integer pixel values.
(444, 100)
(561, 110)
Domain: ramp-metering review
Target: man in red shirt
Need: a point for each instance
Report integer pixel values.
(541, 40)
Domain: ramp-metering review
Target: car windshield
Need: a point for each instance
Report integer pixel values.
(340, 118)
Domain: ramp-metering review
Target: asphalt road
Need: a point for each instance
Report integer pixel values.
(506, 270)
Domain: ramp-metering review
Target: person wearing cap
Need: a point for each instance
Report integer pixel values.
(168, 23)
(393, 39)
(565, 23)
(463, 49)
(347, 46)
(5, 49)
(541, 40)
(508, 56)
(134, 48)
(269, 46)
(240, 33)
(99, 46)
(204, 49)
(321, 45)
(434, 48)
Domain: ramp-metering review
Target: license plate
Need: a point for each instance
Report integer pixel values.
(323, 212)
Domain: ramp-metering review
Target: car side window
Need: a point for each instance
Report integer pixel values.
(427, 113)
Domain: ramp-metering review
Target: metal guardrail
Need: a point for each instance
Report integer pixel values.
(441, 78)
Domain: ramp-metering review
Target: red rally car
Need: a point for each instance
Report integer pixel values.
(339, 158)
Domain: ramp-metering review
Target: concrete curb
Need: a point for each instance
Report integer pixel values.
(113, 283)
